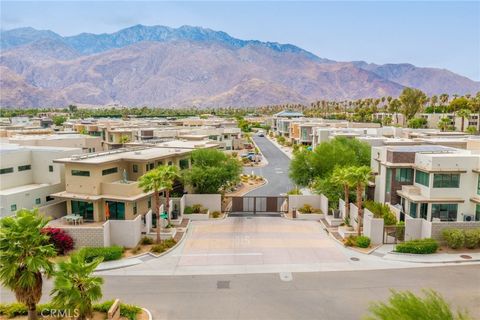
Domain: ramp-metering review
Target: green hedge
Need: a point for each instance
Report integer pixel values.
(422, 246)
(362, 241)
(126, 310)
(458, 238)
(472, 238)
(108, 253)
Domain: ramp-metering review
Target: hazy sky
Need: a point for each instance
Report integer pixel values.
(442, 34)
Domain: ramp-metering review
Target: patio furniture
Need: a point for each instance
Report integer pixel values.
(73, 218)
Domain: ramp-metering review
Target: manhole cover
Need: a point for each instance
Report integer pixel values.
(286, 276)
(354, 259)
(464, 256)
(223, 284)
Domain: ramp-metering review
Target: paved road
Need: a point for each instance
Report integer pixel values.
(276, 172)
(324, 295)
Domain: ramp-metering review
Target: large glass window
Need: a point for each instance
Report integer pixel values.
(84, 209)
(13, 207)
(135, 168)
(404, 175)
(50, 168)
(423, 210)
(413, 209)
(388, 181)
(25, 167)
(116, 210)
(81, 173)
(445, 211)
(109, 171)
(446, 180)
(6, 170)
(183, 164)
(422, 178)
(478, 185)
(477, 212)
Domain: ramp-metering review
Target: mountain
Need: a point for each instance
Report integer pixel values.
(162, 66)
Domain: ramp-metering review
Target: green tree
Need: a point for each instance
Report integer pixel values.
(341, 176)
(152, 181)
(463, 113)
(59, 120)
(306, 166)
(458, 104)
(168, 175)
(472, 130)
(24, 254)
(211, 171)
(444, 124)
(74, 288)
(124, 139)
(407, 306)
(412, 101)
(359, 177)
(394, 108)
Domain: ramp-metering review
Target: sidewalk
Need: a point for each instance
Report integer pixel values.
(386, 252)
(286, 150)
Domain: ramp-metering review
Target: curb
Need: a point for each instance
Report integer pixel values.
(275, 143)
(148, 313)
(424, 261)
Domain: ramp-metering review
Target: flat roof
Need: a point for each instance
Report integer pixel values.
(422, 148)
(23, 188)
(12, 147)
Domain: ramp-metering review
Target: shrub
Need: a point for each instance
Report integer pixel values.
(455, 238)
(146, 240)
(108, 253)
(164, 246)
(188, 210)
(136, 250)
(215, 214)
(381, 210)
(362, 241)
(126, 310)
(389, 218)
(60, 239)
(12, 310)
(472, 238)
(400, 232)
(307, 209)
(350, 241)
(197, 208)
(421, 246)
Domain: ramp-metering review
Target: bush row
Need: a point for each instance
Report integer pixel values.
(357, 241)
(12, 310)
(421, 246)
(164, 246)
(458, 238)
(108, 253)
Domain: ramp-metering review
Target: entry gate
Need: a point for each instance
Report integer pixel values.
(258, 204)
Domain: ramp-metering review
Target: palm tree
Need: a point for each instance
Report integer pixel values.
(340, 175)
(444, 124)
(74, 288)
(168, 174)
(464, 113)
(359, 177)
(25, 253)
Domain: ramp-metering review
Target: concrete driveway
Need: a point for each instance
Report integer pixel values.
(276, 172)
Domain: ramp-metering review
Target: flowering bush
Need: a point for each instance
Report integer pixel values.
(61, 240)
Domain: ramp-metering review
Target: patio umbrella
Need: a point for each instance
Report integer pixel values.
(107, 212)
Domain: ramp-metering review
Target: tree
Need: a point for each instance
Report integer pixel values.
(359, 177)
(59, 120)
(124, 139)
(412, 100)
(463, 113)
(306, 166)
(444, 124)
(152, 181)
(74, 288)
(407, 306)
(394, 108)
(458, 104)
(72, 108)
(25, 252)
(168, 175)
(471, 130)
(211, 171)
(341, 176)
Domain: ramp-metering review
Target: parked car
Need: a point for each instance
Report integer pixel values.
(261, 134)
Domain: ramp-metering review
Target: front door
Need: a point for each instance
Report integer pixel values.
(116, 210)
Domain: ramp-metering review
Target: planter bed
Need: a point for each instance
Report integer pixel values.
(309, 216)
(197, 216)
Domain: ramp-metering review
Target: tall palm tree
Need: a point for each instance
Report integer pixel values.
(24, 255)
(340, 175)
(151, 181)
(444, 124)
(74, 288)
(463, 113)
(359, 177)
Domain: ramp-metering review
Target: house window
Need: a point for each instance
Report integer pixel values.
(151, 165)
(6, 170)
(24, 168)
(478, 185)
(446, 180)
(388, 181)
(445, 211)
(404, 175)
(423, 210)
(38, 201)
(110, 137)
(13, 207)
(159, 163)
(183, 164)
(49, 198)
(135, 168)
(116, 210)
(82, 208)
(422, 178)
(109, 171)
(170, 163)
(134, 208)
(50, 168)
(149, 203)
(413, 209)
(477, 212)
(81, 173)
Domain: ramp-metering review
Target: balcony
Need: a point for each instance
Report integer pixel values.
(121, 188)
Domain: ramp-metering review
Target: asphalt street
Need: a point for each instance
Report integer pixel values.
(316, 295)
(276, 172)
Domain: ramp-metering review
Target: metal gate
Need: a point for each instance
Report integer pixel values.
(258, 204)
